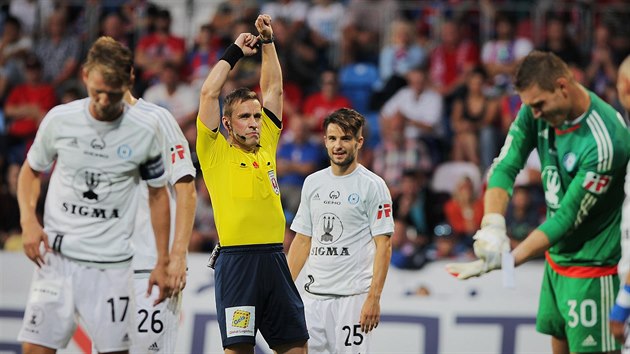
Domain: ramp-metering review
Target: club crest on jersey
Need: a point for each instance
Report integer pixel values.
(384, 210)
(240, 321)
(124, 151)
(568, 161)
(329, 228)
(596, 183)
(91, 185)
(353, 198)
(274, 181)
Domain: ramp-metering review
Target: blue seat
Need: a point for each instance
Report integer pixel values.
(356, 82)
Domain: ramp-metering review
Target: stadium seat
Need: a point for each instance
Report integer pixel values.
(356, 82)
(447, 175)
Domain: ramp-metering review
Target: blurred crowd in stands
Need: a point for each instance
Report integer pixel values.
(433, 79)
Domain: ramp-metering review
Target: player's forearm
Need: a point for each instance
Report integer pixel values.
(534, 245)
(382, 258)
(271, 79)
(495, 200)
(28, 191)
(160, 219)
(298, 253)
(209, 111)
(185, 201)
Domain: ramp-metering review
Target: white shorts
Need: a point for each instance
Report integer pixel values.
(64, 292)
(333, 325)
(155, 327)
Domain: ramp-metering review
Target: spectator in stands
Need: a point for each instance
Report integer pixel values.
(364, 24)
(204, 236)
(474, 119)
(319, 105)
(602, 69)
(558, 41)
(397, 58)
(25, 107)
(298, 55)
(115, 25)
(501, 55)
(58, 51)
(13, 48)
(292, 11)
(10, 218)
(412, 232)
(297, 158)
(522, 216)
(324, 20)
(421, 108)
(464, 211)
(174, 94)
(396, 154)
(154, 49)
(32, 14)
(205, 53)
(452, 59)
(447, 245)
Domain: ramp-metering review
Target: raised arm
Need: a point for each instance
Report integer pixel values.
(271, 74)
(209, 109)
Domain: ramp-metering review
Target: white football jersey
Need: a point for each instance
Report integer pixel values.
(92, 201)
(624, 263)
(176, 156)
(342, 214)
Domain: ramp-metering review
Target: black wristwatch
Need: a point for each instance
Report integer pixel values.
(266, 41)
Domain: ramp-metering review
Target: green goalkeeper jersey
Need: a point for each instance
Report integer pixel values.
(583, 166)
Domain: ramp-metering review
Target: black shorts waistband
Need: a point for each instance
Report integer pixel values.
(265, 248)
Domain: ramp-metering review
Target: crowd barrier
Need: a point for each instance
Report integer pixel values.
(473, 316)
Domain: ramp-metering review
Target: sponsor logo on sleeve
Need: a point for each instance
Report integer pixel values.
(384, 210)
(596, 183)
(177, 152)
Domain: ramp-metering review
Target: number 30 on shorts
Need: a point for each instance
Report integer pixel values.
(583, 313)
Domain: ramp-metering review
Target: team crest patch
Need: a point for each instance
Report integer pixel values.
(240, 321)
(569, 160)
(274, 181)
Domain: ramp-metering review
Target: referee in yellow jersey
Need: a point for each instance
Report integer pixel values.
(253, 286)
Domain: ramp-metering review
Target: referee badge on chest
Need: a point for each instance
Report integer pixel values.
(274, 181)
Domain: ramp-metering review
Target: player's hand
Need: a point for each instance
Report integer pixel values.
(370, 314)
(263, 25)
(247, 42)
(33, 236)
(470, 269)
(491, 240)
(176, 271)
(159, 277)
(619, 314)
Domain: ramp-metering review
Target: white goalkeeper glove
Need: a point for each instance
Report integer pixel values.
(470, 269)
(491, 240)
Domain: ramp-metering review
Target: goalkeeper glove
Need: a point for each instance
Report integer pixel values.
(491, 240)
(471, 269)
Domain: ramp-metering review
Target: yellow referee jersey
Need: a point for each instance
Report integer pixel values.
(243, 186)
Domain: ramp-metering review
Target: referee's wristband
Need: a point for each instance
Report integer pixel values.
(232, 55)
(621, 311)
